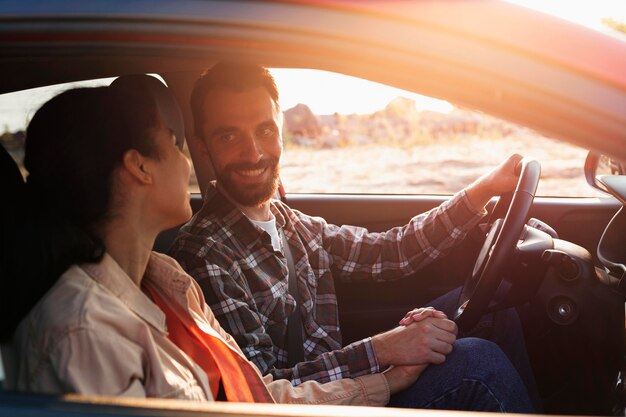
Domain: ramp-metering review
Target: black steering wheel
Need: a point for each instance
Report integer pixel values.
(499, 246)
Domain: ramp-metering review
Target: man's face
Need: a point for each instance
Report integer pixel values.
(242, 133)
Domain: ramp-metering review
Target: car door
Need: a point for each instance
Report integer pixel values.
(366, 308)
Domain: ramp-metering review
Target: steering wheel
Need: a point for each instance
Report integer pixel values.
(499, 246)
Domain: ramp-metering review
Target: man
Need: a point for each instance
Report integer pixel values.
(234, 249)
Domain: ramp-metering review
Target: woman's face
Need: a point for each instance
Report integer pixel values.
(170, 196)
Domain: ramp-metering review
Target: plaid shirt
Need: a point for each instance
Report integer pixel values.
(245, 281)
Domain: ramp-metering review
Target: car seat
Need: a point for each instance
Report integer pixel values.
(165, 101)
(12, 187)
(173, 118)
(11, 181)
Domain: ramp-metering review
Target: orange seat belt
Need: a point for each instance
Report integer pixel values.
(241, 382)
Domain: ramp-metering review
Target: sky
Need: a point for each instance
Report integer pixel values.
(325, 92)
(331, 92)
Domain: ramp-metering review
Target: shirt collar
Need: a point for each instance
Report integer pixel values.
(226, 213)
(111, 276)
(166, 274)
(280, 219)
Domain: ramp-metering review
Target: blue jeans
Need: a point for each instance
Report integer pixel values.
(502, 328)
(476, 376)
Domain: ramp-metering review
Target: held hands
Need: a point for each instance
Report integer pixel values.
(425, 336)
(419, 314)
(427, 339)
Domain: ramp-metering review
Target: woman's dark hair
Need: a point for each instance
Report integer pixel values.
(74, 143)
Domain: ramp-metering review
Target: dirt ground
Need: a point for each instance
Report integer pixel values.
(441, 168)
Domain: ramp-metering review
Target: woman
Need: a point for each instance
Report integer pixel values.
(120, 319)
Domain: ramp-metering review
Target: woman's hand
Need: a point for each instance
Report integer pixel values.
(418, 314)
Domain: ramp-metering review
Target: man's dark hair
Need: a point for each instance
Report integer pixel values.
(231, 76)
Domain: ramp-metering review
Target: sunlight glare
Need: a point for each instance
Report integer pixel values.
(327, 93)
(589, 14)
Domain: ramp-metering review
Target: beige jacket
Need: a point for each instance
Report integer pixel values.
(96, 332)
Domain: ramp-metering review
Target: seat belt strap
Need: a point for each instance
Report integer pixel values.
(295, 342)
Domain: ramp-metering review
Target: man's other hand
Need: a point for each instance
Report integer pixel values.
(424, 342)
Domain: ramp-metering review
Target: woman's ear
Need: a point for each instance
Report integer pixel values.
(137, 166)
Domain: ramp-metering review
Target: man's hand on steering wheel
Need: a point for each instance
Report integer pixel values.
(500, 245)
(501, 179)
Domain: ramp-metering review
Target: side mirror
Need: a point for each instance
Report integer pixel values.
(597, 164)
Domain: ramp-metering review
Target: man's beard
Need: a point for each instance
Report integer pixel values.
(247, 195)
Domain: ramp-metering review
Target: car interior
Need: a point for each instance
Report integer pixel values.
(569, 299)
(560, 262)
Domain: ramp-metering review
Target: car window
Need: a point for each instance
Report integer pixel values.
(348, 135)
(351, 136)
(17, 108)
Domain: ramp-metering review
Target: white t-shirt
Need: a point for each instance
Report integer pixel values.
(270, 227)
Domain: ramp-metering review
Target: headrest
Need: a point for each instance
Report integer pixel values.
(11, 181)
(12, 187)
(165, 100)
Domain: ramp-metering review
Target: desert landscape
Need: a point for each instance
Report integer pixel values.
(400, 150)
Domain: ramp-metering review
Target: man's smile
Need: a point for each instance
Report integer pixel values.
(251, 172)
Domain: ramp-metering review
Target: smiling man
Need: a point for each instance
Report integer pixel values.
(237, 248)
(245, 146)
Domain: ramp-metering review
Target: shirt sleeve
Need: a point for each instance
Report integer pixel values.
(230, 298)
(370, 390)
(354, 360)
(82, 359)
(360, 255)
